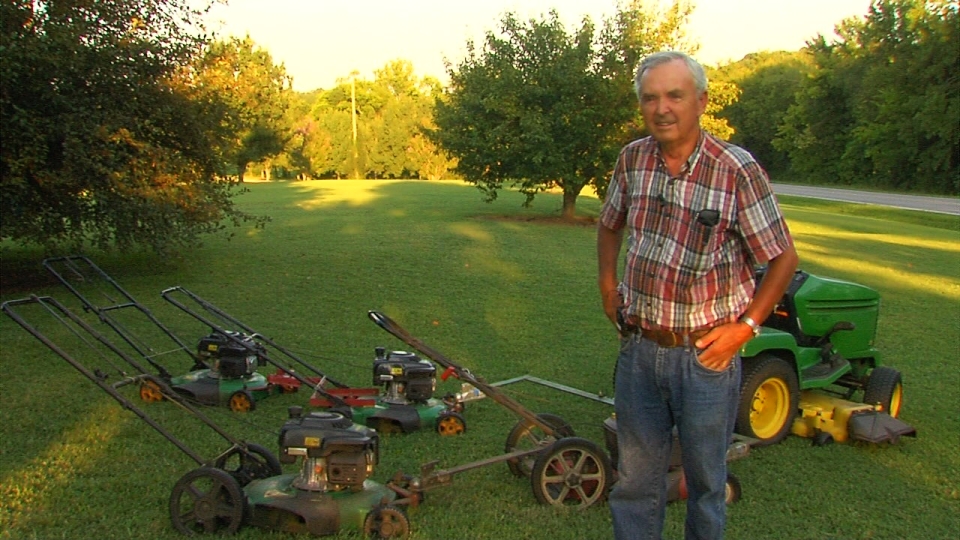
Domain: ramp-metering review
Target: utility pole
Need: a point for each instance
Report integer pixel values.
(353, 111)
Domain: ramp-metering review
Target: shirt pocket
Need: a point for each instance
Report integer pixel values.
(703, 244)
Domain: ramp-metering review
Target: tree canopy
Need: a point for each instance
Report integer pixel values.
(104, 137)
(373, 129)
(883, 104)
(538, 107)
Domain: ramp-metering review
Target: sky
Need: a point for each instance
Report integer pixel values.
(321, 41)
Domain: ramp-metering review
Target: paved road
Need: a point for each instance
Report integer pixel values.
(941, 205)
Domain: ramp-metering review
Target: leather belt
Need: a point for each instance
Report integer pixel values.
(666, 338)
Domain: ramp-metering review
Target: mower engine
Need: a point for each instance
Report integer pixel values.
(231, 357)
(337, 454)
(406, 377)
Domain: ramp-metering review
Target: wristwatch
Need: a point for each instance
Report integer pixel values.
(752, 324)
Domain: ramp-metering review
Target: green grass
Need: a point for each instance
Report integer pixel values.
(506, 295)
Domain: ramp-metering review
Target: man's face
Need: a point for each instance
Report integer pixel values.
(670, 104)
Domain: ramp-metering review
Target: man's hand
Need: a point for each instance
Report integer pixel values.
(722, 343)
(611, 303)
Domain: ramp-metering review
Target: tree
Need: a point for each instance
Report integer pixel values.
(768, 83)
(883, 105)
(104, 140)
(258, 93)
(537, 107)
(392, 112)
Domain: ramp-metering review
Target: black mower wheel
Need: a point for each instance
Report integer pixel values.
(242, 401)
(822, 438)
(451, 423)
(571, 472)
(245, 466)
(207, 501)
(769, 399)
(386, 522)
(734, 491)
(885, 388)
(526, 435)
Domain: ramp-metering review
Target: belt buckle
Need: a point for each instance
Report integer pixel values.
(674, 338)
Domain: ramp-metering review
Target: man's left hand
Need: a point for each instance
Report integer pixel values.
(719, 346)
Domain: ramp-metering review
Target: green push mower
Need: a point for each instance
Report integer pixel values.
(244, 485)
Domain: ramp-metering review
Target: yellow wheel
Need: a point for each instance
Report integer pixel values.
(769, 398)
(451, 423)
(885, 388)
(241, 401)
(150, 392)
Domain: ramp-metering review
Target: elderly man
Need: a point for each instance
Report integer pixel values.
(701, 217)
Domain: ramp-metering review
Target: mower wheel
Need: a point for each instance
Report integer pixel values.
(246, 465)
(451, 423)
(207, 501)
(885, 388)
(526, 435)
(150, 392)
(241, 401)
(769, 398)
(571, 472)
(822, 438)
(733, 489)
(386, 522)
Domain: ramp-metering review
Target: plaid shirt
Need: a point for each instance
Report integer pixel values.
(696, 239)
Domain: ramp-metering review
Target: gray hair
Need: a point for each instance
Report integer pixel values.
(664, 57)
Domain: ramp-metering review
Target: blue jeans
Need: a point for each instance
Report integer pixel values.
(658, 388)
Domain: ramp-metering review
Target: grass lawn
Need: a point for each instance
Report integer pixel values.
(504, 293)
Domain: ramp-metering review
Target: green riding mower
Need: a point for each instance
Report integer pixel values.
(814, 370)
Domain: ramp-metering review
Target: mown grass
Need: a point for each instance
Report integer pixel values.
(505, 293)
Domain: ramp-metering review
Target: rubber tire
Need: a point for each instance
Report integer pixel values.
(885, 386)
(242, 401)
(769, 385)
(225, 498)
(734, 491)
(386, 522)
(585, 480)
(451, 423)
(258, 464)
(521, 468)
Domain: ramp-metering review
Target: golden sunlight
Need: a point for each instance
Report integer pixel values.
(350, 192)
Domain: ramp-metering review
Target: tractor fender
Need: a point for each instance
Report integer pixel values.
(771, 339)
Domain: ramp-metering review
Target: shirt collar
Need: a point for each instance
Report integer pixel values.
(691, 161)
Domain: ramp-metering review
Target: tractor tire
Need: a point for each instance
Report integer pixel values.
(884, 388)
(769, 399)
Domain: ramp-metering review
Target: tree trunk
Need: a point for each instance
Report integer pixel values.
(569, 211)
(242, 170)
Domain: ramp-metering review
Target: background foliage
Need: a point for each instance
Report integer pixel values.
(506, 291)
(125, 125)
(103, 140)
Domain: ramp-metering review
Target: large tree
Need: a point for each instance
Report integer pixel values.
(103, 139)
(539, 108)
(258, 93)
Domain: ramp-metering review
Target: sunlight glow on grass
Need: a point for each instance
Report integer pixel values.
(350, 192)
(471, 231)
(32, 489)
(912, 279)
